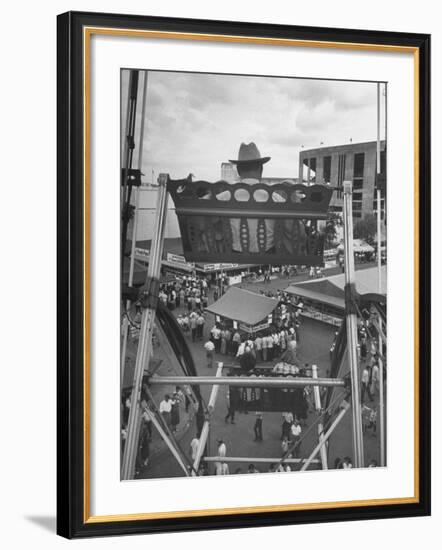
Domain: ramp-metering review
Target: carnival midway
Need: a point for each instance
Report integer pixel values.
(258, 341)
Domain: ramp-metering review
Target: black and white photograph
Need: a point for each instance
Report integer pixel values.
(253, 274)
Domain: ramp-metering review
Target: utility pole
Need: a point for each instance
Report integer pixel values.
(351, 322)
(134, 227)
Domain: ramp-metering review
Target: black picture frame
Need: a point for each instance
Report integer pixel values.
(72, 520)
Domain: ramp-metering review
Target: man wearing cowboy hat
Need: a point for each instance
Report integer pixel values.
(250, 167)
(250, 163)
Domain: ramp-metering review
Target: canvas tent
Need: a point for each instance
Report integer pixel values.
(243, 306)
(329, 291)
(360, 246)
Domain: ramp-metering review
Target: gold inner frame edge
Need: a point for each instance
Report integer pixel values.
(88, 32)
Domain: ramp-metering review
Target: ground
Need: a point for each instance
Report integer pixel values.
(315, 340)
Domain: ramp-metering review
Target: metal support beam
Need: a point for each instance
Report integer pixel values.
(167, 441)
(247, 381)
(147, 323)
(205, 429)
(351, 322)
(134, 225)
(378, 326)
(381, 401)
(257, 460)
(318, 408)
(345, 407)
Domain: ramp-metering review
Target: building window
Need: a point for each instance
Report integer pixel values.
(358, 166)
(311, 169)
(357, 197)
(375, 207)
(358, 174)
(327, 169)
(383, 162)
(341, 174)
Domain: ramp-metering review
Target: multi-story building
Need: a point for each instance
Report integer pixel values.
(334, 165)
(229, 172)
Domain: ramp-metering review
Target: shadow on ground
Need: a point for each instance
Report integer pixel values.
(48, 523)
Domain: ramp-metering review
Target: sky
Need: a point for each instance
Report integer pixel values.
(194, 121)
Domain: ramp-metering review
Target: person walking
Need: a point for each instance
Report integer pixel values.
(175, 412)
(194, 444)
(200, 326)
(166, 409)
(223, 345)
(247, 360)
(222, 449)
(193, 326)
(221, 452)
(365, 385)
(231, 398)
(257, 428)
(236, 340)
(287, 419)
(374, 385)
(264, 348)
(216, 337)
(269, 347)
(258, 348)
(296, 437)
(284, 445)
(209, 346)
(228, 337)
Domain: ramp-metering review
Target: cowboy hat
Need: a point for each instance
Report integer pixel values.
(248, 153)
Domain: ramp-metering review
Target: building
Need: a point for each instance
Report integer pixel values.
(229, 172)
(148, 195)
(354, 162)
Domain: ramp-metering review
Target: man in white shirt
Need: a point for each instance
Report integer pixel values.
(276, 350)
(264, 348)
(222, 449)
(209, 346)
(166, 408)
(296, 436)
(269, 347)
(216, 334)
(374, 379)
(365, 384)
(258, 348)
(221, 452)
(241, 349)
(194, 444)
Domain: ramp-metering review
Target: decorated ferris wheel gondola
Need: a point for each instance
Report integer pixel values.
(251, 223)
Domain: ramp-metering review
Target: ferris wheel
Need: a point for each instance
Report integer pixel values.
(215, 221)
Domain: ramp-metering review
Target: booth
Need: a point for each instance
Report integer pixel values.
(324, 299)
(249, 311)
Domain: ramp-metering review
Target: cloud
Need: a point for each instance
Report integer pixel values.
(196, 121)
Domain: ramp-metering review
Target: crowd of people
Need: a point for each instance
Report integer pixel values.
(275, 346)
(290, 445)
(188, 291)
